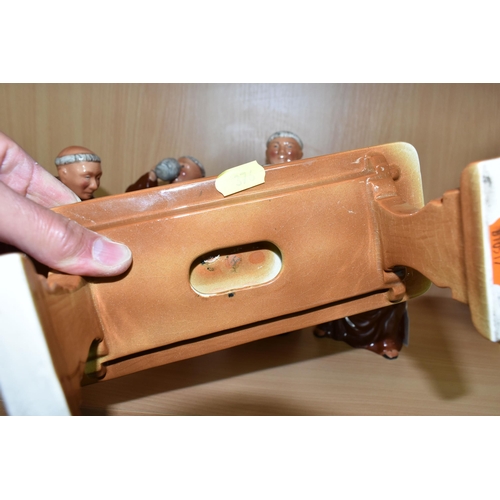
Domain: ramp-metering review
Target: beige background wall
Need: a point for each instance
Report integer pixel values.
(133, 126)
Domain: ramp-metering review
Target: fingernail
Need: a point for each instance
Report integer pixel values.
(109, 253)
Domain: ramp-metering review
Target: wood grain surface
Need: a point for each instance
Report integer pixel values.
(448, 369)
(133, 126)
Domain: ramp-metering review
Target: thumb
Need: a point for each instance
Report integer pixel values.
(56, 241)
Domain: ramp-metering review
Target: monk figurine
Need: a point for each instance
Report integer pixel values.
(382, 331)
(80, 170)
(283, 147)
(170, 170)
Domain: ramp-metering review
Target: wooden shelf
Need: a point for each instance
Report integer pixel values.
(448, 369)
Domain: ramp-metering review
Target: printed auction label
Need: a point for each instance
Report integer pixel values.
(495, 250)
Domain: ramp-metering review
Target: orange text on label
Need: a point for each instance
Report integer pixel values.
(495, 250)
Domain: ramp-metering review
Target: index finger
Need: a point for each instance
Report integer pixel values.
(26, 177)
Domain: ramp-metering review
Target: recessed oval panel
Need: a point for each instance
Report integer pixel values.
(229, 269)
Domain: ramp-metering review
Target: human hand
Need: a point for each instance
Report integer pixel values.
(27, 191)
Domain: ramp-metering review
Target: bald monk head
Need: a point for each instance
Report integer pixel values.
(80, 170)
(283, 147)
